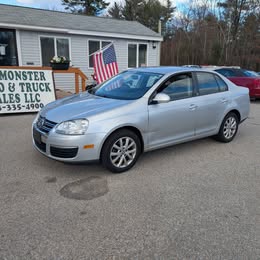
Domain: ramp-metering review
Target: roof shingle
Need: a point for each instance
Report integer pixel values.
(53, 19)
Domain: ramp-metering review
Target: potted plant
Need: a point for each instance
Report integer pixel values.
(59, 63)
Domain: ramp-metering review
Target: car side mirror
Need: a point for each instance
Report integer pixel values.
(161, 98)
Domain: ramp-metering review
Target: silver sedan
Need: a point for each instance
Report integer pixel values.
(137, 111)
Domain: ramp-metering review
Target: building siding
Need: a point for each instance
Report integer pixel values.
(31, 54)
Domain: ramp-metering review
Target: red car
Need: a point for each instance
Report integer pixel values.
(244, 78)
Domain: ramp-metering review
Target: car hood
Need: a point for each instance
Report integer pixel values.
(80, 106)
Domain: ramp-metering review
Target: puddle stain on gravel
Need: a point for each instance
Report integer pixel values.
(85, 189)
(50, 179)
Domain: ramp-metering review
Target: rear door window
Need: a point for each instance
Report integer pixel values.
(226, 72)
(221, 84)
(207, 83)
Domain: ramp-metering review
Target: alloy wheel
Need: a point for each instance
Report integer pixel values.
(230, 127)
(123, 152)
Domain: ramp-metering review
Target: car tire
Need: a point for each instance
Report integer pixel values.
(120, 151)
(228, 128)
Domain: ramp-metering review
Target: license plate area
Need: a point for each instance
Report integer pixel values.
(38, 137)
(43, 139)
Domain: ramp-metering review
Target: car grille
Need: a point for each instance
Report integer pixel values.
(41, 146)
(63, 152)
(45, 125)
(37, 140)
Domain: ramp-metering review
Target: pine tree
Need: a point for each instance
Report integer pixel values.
(147, 12)
(87, 7)
(115, 11)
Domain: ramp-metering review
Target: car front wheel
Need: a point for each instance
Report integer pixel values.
(121, 151)
(228, 129)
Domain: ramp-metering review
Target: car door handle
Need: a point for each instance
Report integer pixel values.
(223, 100)
(192, 107)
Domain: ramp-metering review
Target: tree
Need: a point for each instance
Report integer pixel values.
(132, 9)
(115, 11)
(87, 7)
(217, 33)
(147, 12)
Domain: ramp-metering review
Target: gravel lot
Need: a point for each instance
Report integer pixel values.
(198, 200)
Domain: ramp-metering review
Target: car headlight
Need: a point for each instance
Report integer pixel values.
(72, 127)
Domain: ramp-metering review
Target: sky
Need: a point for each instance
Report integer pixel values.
(57, 6)
(52, 4)
(44, 4)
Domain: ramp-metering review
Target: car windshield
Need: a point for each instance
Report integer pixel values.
(128, 85)
(250, 73)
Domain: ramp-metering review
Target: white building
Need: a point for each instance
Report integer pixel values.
(31, 37)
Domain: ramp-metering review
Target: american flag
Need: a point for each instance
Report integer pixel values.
(105, 64)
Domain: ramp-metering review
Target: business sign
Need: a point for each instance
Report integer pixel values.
(25, 90)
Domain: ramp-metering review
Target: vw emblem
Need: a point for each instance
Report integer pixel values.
(41, 122)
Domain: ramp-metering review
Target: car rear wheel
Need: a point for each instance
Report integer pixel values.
(228, 129)
(121, 151)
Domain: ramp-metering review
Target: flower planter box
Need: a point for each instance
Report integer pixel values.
(60, 66)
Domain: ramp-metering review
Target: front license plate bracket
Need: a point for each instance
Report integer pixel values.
(37, 136)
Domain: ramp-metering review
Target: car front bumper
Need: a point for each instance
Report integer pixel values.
(68, 148)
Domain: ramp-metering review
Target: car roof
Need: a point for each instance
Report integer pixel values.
(164, 69)
(169, 69)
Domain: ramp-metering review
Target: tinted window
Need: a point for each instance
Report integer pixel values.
(221, 84)
(239, 73)
(250, 73)
(127, 85)
(178, 87)
(207, 83)
(226, 72)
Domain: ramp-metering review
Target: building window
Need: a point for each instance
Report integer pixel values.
(137, 55)
(132, 55)
(8, 48)
(52, 46)
(94, 46)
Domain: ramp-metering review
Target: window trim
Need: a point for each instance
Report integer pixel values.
(18, 47)
(137, 53)
(197, 83)
(55, 45)
(100, 47)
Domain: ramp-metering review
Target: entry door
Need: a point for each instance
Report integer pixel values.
(173, 121)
